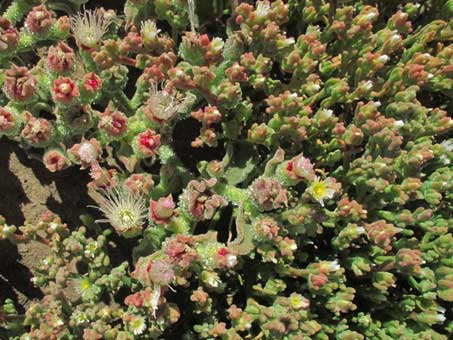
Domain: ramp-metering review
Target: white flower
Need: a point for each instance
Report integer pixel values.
(334, 266)
(262, 9)
(137, 325)
(316, 87)
(370, 16)
(87, 152)
(430, 75)
(124, 210)
(398, 124)
(361, 230)
(149, 30)
(231, 260)
(395, 38)
(383, 58)
(321, 190)
(326, 113)
(368, 85)
(164, 105)
(53, 225)
(89, 27)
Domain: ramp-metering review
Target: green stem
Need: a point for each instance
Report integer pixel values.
(120, 99)
(17, 10)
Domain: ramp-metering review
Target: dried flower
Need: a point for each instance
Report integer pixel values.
(268, 193)
(60, 58)
(38, 20)
(19, 84)
(9, 37)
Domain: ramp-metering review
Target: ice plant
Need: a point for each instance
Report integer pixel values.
(321, 190)
(265, 169)
(123, 210)
(89, 28)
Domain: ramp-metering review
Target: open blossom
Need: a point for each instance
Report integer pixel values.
(38, 20)
(60, 58)
(19, 84)
(114, 123)
(123, 210)
(146, 144)
(163, 105)
(162, 210)
(89, 27)
(149, 33)
(321, 190)
(65, 90)
(9, 37)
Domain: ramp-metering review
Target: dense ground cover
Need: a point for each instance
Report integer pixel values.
(269, 169)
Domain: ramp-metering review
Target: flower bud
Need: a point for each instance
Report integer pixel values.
(38, 20)
(9, 37)
(10, 121)
(162, 210)
(54, 160)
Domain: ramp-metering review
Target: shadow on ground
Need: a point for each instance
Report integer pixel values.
(27, 190)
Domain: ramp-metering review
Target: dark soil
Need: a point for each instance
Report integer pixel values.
(27, 190)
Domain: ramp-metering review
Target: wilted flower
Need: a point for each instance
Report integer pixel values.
(125, 211)
(86, 152)
(19, 84)
(89, 27)
(300, 168)
(268, 193)
(37, 131)
(139, 183)
(60, 58)
(38, 20)
(54, 160)
(200, 202)
(9, 121)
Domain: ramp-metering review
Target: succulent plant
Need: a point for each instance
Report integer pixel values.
(280, 169)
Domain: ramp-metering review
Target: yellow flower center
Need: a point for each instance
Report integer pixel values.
(319, 190)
